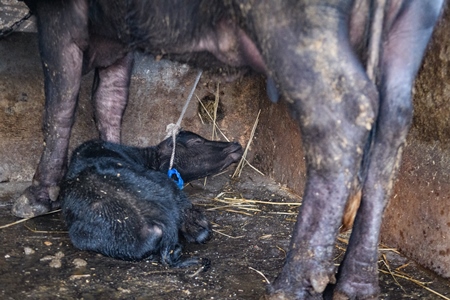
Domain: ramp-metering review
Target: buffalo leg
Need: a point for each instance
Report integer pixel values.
(110, 96)
(336, 105)
(62, 33)
(403, 49)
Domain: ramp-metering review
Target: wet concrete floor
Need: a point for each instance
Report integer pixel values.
(37, 260)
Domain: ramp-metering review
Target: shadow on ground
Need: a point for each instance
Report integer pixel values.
(37, 260)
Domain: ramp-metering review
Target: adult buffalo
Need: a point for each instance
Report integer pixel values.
(314, 52)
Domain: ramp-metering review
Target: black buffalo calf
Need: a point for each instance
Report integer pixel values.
(119, 201)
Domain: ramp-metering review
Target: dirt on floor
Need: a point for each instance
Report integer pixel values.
(38, 261)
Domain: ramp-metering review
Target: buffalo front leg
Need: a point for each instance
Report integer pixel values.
(110, 96)
(411, 25)
(335, 103)
(62, 27)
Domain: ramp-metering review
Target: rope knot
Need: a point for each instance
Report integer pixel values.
(172, 129)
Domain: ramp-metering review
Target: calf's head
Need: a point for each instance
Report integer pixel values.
(197, 157)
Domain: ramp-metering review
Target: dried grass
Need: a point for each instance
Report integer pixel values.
(228, 236)
(260, 273)
(27, 219)
(243, 161)
(216, 127)
(248, 207)
(216, 105)
(396, 273)
(415, 281)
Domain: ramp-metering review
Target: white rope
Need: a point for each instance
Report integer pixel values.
(173, 129)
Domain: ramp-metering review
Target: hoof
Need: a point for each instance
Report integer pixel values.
(311, 284)
(30, 205)
(25, 207)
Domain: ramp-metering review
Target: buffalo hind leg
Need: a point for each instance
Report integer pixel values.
(335, 103)
(404, 45)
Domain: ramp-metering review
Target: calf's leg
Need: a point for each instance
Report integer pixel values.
(410, 27)
(62, 27)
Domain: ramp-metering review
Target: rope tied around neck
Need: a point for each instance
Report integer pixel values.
(173, 129)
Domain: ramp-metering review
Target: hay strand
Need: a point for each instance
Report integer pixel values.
(386, 264)
(282, 250)
(228, 236)
(239, 212)
(241, 164)
(243, 200)
(221, 132)
(26, 219)
(212, 119)
(216, 105)
(260, 273)
(202, 268)
(421, 284)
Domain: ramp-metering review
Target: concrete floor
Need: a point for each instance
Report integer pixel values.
(37, 260)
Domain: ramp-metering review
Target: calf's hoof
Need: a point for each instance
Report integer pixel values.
(35, 201)
(195, 228)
